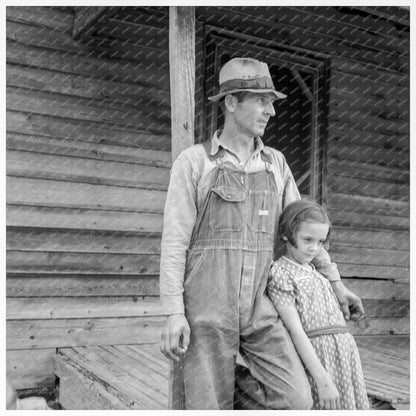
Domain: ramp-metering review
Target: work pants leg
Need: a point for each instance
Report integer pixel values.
(275, 377)
(209, 367)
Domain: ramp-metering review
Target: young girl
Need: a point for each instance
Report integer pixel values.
(310, 310)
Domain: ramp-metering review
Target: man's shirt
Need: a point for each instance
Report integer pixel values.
(192, 177)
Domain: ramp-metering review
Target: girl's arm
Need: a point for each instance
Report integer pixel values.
(328, 393)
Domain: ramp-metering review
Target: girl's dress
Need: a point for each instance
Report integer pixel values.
(323, 321)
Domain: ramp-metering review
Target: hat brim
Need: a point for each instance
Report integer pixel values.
(279, 95)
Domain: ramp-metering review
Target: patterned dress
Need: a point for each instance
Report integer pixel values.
(319, 311)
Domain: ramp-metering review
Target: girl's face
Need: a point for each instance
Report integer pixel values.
(309, 239)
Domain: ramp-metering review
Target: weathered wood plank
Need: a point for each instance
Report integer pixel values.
(106, 91)
(396, 108)
(96, 366)
(136, 34)
(325, 21)
(372, 271)
(378, 289)
(38, 102)
(371, 73)
(390, 157)
(89, 144)
(84, 63)
(86, 17)
(366, 121)
(345, 134)
(90, 241)
(364, 187)
(182, 76)
(370, 256)
(78, 263)
(27, 191)
(389, 13)
(35, 285)
(393, 240)
(30, 369)
(58, 333)
(61, 168)
(77, 218)
(377, 308)
(340, 216)
(362, 170)
(73, 393)
(368, 205)
(358, 86)
(384, 31)
(82, 307)
(46, 17)
(139, 373)
(380, 326)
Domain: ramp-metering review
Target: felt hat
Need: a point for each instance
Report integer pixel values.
(245, 74)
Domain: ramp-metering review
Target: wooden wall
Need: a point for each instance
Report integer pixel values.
(88, 158)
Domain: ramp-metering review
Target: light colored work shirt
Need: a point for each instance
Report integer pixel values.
(191, 178)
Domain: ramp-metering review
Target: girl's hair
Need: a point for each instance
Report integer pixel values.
(301, 211)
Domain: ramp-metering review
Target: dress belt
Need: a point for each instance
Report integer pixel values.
(326, 330)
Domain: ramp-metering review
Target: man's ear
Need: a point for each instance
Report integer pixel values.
(230, 102)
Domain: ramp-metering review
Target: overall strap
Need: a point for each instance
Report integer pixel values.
(220, 166)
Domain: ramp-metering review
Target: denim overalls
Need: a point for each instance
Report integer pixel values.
(226, 303)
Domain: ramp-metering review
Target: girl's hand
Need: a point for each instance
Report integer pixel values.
(328, 394)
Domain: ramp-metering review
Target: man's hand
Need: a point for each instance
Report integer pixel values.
(350, 303)
(175, 337)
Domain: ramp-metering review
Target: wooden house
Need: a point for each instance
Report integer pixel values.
(101, 99)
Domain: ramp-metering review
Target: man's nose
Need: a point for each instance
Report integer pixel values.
(270, 109)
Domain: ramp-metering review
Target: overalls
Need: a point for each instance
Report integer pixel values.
(226, 304)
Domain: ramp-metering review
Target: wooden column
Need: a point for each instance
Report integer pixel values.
(182, 90)
(182, 76)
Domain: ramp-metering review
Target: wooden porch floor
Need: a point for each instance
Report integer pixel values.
(137, 376)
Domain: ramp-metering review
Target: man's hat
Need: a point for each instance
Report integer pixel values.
(245, 74)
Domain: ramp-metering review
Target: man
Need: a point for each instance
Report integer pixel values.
(223, 204)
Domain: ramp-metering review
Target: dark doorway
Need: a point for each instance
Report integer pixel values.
(298, 128)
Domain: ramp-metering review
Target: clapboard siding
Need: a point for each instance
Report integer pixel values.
(56, 333)
(85, 307)
(79, 219)
(62, 168)
(91, 241)
(102, 149)
(88, 159)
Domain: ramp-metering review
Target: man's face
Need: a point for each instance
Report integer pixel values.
(253, 113)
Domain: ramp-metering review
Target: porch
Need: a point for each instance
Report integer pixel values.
(136, 376)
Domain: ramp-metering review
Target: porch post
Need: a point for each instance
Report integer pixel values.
(182, 91)
(182, 76)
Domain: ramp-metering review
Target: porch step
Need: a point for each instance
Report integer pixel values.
(112, 377)
(137, 376)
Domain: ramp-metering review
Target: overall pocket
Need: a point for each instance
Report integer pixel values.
(263, 206)
(226, 208)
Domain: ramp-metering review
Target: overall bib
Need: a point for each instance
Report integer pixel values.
(226, 303)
